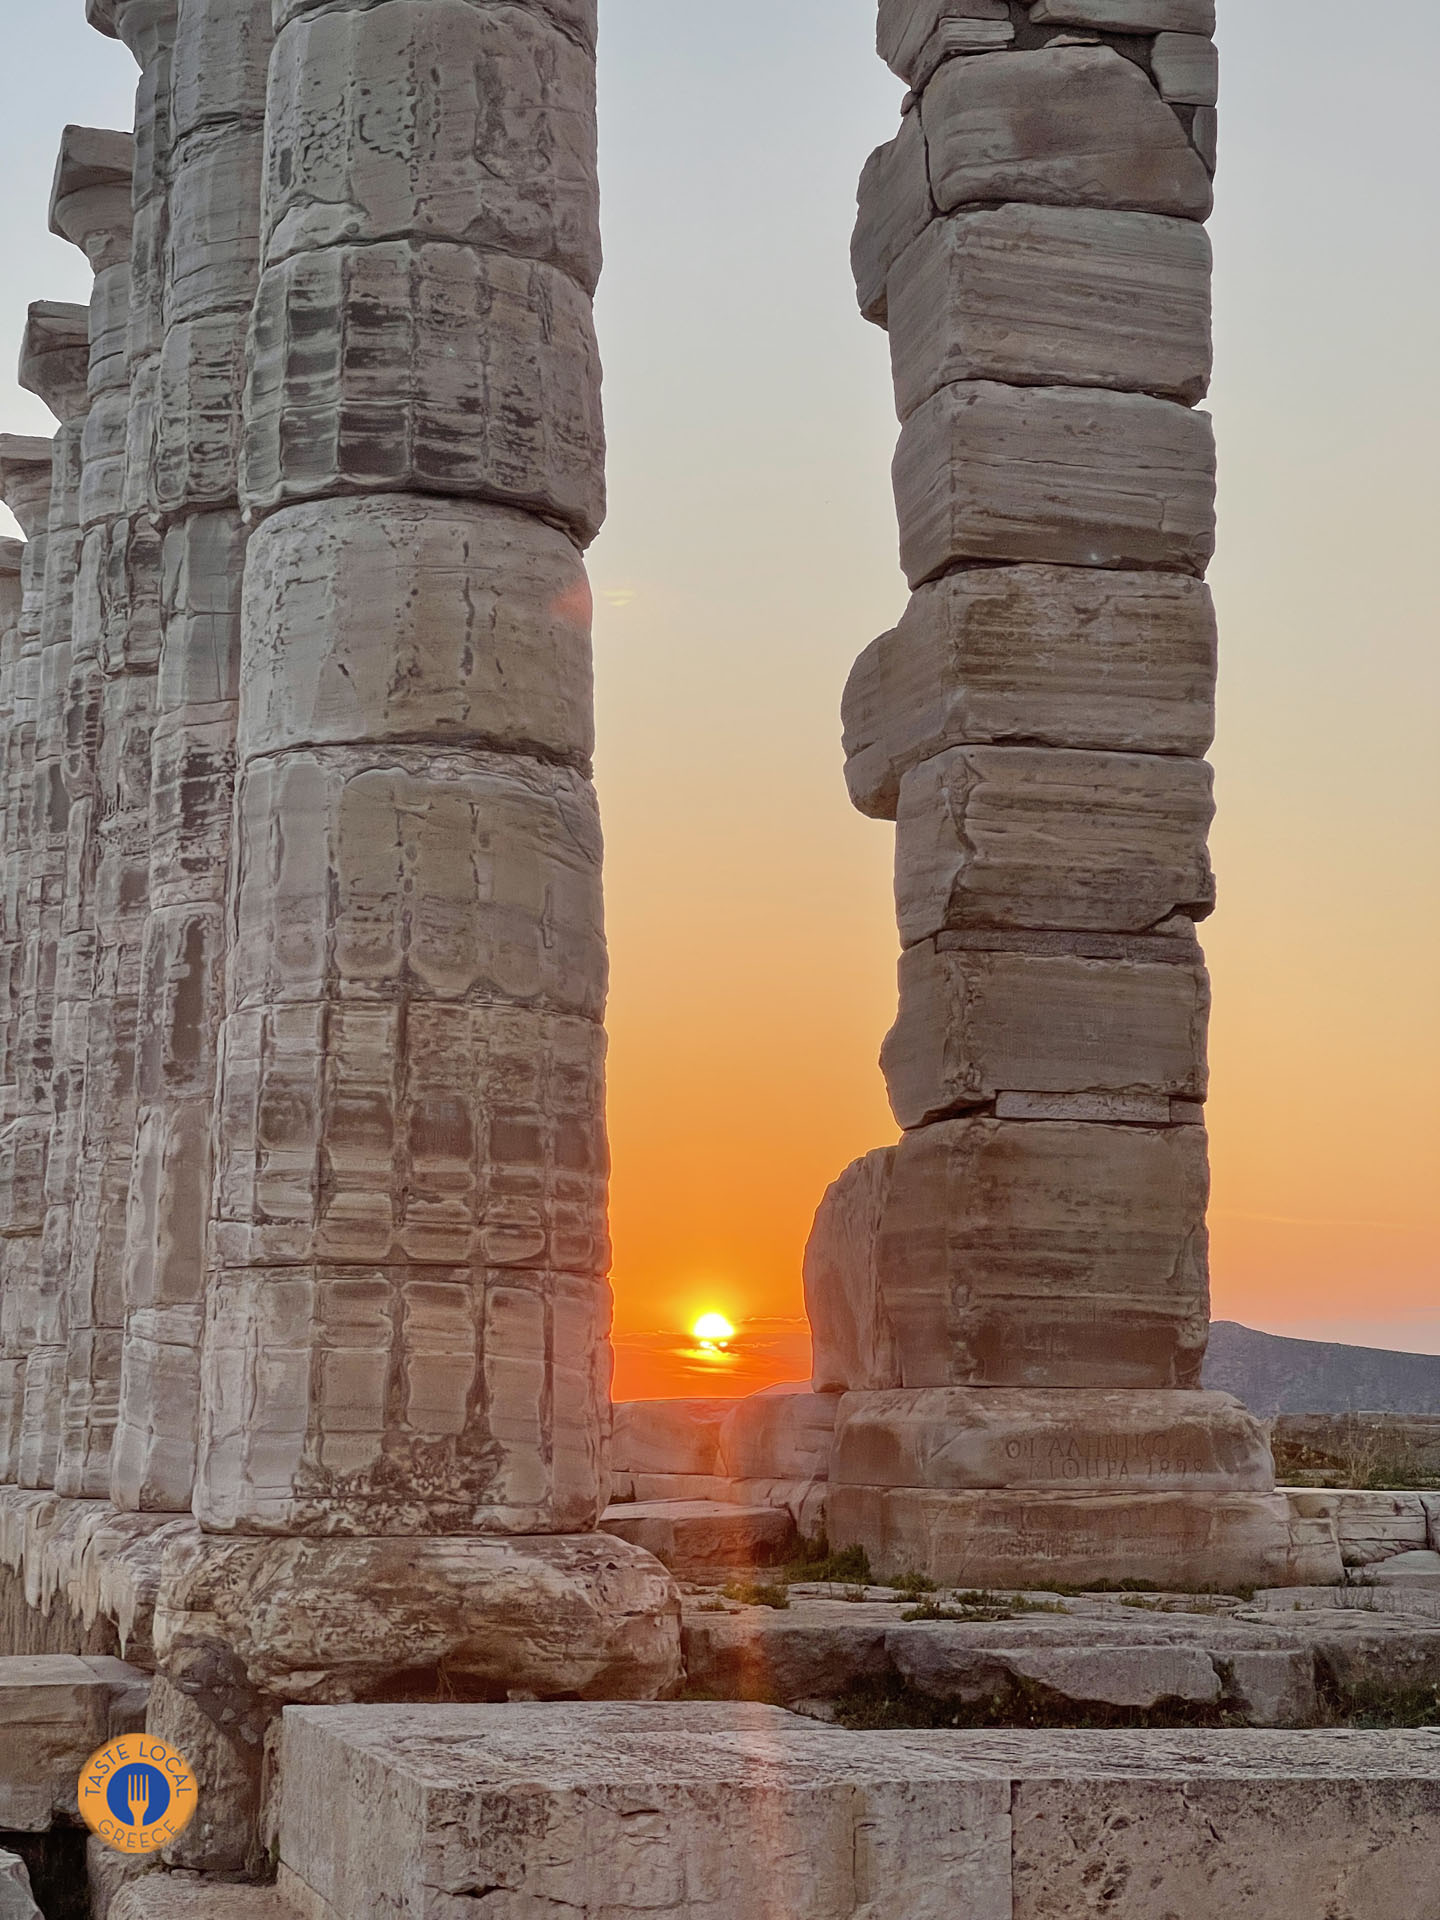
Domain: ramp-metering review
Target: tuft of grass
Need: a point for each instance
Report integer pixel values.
(817, 1564)
(877, 1706)
(977, 1605)
(754, 1593)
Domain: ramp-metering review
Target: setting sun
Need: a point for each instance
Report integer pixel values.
(714, 1329)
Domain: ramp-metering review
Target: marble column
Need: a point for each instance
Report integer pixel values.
(1015, 1298)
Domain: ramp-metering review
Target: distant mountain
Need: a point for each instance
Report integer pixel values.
(1275, 1375)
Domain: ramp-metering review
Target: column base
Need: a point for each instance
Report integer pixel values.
(1017, 1488)
(245, 1627)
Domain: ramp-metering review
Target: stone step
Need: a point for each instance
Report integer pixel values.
(698, 1537)
(56, 1709)
(693, 1812)
(185, 1896)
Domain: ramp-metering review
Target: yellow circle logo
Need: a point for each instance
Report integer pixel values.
(138, 1794)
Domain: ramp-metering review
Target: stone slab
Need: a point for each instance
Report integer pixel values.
(1060, 126)
(906, 30)
(1372, 1527)
(964, 1437)
(976, 1027)
(694, 1537)
(1127, 16)
(1052, 296)
(668, 1436)
(1047, 838)
(1187, 69)
(894, 208)
(1011, 1539)
(399, 1809)
(1070, 475)
(185, 1896)
(55, 1710)
(852, 1340)
(783, 1433)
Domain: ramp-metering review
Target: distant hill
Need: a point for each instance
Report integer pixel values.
(1275, 1375)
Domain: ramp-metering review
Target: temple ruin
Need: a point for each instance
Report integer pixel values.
(308, 1463)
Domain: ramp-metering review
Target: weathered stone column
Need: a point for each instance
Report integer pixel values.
(404, 1387)
(90, 206)
(114, 686)
(25, 486)
(1018, 1292)
(13, 1253)
(219, 70)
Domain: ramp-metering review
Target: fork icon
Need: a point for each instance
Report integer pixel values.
(137, 1796)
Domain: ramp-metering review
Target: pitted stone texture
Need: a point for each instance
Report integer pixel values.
(1060, 126)
(907, 31)
(1122, 1442)
(219, 66)
(784, 1433)
(55, 1710)
(1127, 16)
(212, 240)
(433, 121)
(402, 617)
(668, 1436)
(894, 208)
(1073, 475)
(414, 1400)
(1052, 296)
(1042, 1254)
(853, 1341)
(696, 1812)
(1032, 837)
(1011, 1539)
(90, 200)
(578, 1616)
(376, 875)
(429, 368)
(1123, 1036)
(479, 1141)
(55, 357)
(199, 414)
(1048, 656)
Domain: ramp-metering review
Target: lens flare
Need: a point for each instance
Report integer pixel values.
(713, 1330)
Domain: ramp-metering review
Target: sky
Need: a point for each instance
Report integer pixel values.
(751, 554)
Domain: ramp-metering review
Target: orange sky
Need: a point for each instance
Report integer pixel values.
(751, 555)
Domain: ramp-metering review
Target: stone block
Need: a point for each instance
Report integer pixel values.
(218, 65)
(364, 1401)
(199, 414)
(895, 207)
(186, 1896)
(762, 1653)
(669, 1436)
(378, 874)
(1045, 1036)
(55, 357)
(577, 19)
(421, 618)
(1072, 475)
(438, 122)
(1187, 69)
(650, 1487)
(784, 1433)
(56, 1709)
(1036, 1254)
(1048, 838)
(1077, 126)
(853, 1341)
(696, 1538)
(963, 1437)
(212, 261)
(1138, 1679)
(1371, 1527)
(1272, 1688)
(90, 199)
(110, 329)
(25, 476)
(1047, 656)
(152, 1464)
(479, 1141)
(17, 1902)
(907, 30)
(425, 368)
(1127, 16)
(582, 1616)
(1052, 296)
(1409, 1569)
(681, 1816)
(1009, 1540)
